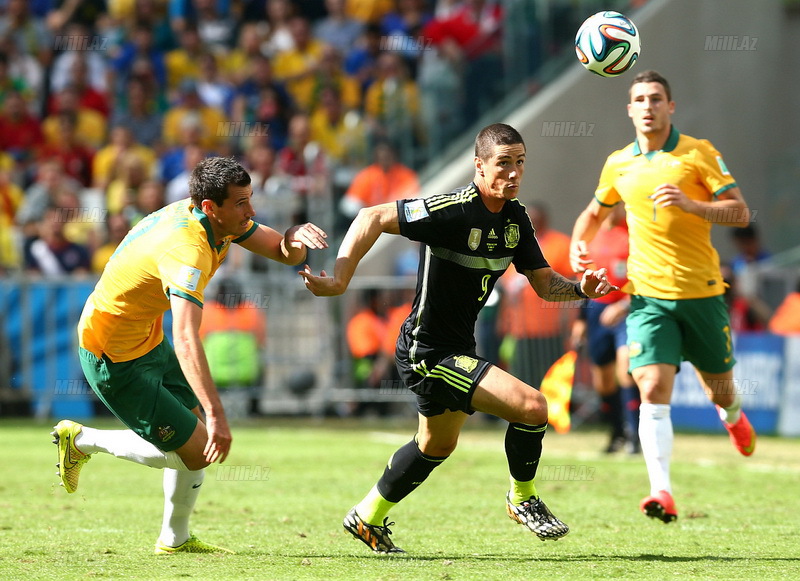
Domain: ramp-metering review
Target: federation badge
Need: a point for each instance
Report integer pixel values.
(512, 235)
(634, 349)
(165, 433)
(474, 239)
(466, 363)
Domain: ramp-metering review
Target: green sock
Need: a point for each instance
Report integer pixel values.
(521, 491)
(374, 508)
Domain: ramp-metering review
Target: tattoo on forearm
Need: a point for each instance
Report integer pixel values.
(561, 289)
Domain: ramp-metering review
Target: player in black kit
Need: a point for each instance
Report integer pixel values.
(469, 238)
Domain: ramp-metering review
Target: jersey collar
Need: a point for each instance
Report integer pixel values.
(671, 143)
(203, 219)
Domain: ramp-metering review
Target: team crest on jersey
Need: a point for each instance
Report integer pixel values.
(465, 362)
(474, 239)
(165, 433)
(512, 235)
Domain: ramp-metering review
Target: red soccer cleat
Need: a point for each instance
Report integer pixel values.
(660, 506)
(742, 434)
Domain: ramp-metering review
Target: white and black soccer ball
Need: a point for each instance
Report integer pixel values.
(608, 43)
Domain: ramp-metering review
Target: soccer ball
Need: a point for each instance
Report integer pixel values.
(607, 43)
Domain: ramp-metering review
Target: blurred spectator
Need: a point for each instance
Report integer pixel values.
(211, 119)
(262, 99)
(361, 62)
(10, 201)
(117, 227)
(83, 46)
(337, 29)
(178, 187)
(129, 175)
(236, 65)
(173, 159)
(50, 253)
(296, 67)
(369, 11)
(340, 132)
(215, 25)
(140, 115)
(29, 72)
(108, 160)
(260, 163)
(786, 320)
(148, 14)
(749, 249)
(472, 35)
(386, 180)
(85, 13)
(234, 332)
(140, 45)
(213, 87)
(183, 63)
(277, 37)
(365, 332)
(20, 131)
(50, 178)
(392, 106)
(65, 145)
(88, 96)
(184, 13)
(147, 199)
(747, 313)
(9, 83)
(402, 29)
(90, 126)
(331, 74)
(28, 33)
(303, 162)
(539, 329)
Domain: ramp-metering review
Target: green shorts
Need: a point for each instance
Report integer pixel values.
(669, 331)
(150, 394)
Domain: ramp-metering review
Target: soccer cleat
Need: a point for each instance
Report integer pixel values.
(742, 435)
(70, 459)
(535, 515)
(193, 545)
(660, 506)
(376, 537)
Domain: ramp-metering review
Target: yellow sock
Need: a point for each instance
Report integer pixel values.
(374, 508)
(521, 491)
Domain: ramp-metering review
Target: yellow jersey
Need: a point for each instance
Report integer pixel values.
(170, 252)
(671, 256)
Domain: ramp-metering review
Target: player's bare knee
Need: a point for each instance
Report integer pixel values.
(437, 448)
(532, 411)
(195, 462)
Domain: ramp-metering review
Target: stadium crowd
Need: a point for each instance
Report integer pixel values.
(105, 106)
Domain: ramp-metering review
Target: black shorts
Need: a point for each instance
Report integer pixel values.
(443, 381)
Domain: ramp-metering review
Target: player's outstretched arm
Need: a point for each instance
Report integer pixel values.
(369, 224)
(584, 231)
(289, 248)
(552, 286)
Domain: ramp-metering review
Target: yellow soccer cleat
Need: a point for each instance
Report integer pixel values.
(193, 545)
(70, 459)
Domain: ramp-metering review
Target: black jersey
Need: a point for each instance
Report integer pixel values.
(465, 249)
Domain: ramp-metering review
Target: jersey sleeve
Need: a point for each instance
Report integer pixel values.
(606, 194)
(712, 169)
(419, 223)
(184, 272)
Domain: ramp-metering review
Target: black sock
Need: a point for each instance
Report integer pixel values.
(523, 450)
(612, 407)
(407, 469)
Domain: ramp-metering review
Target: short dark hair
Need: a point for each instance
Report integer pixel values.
(495, 134)
(652, 77)
(749, 232)
(211, 177)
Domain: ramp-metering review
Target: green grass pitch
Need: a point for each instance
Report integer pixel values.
(279, 500)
